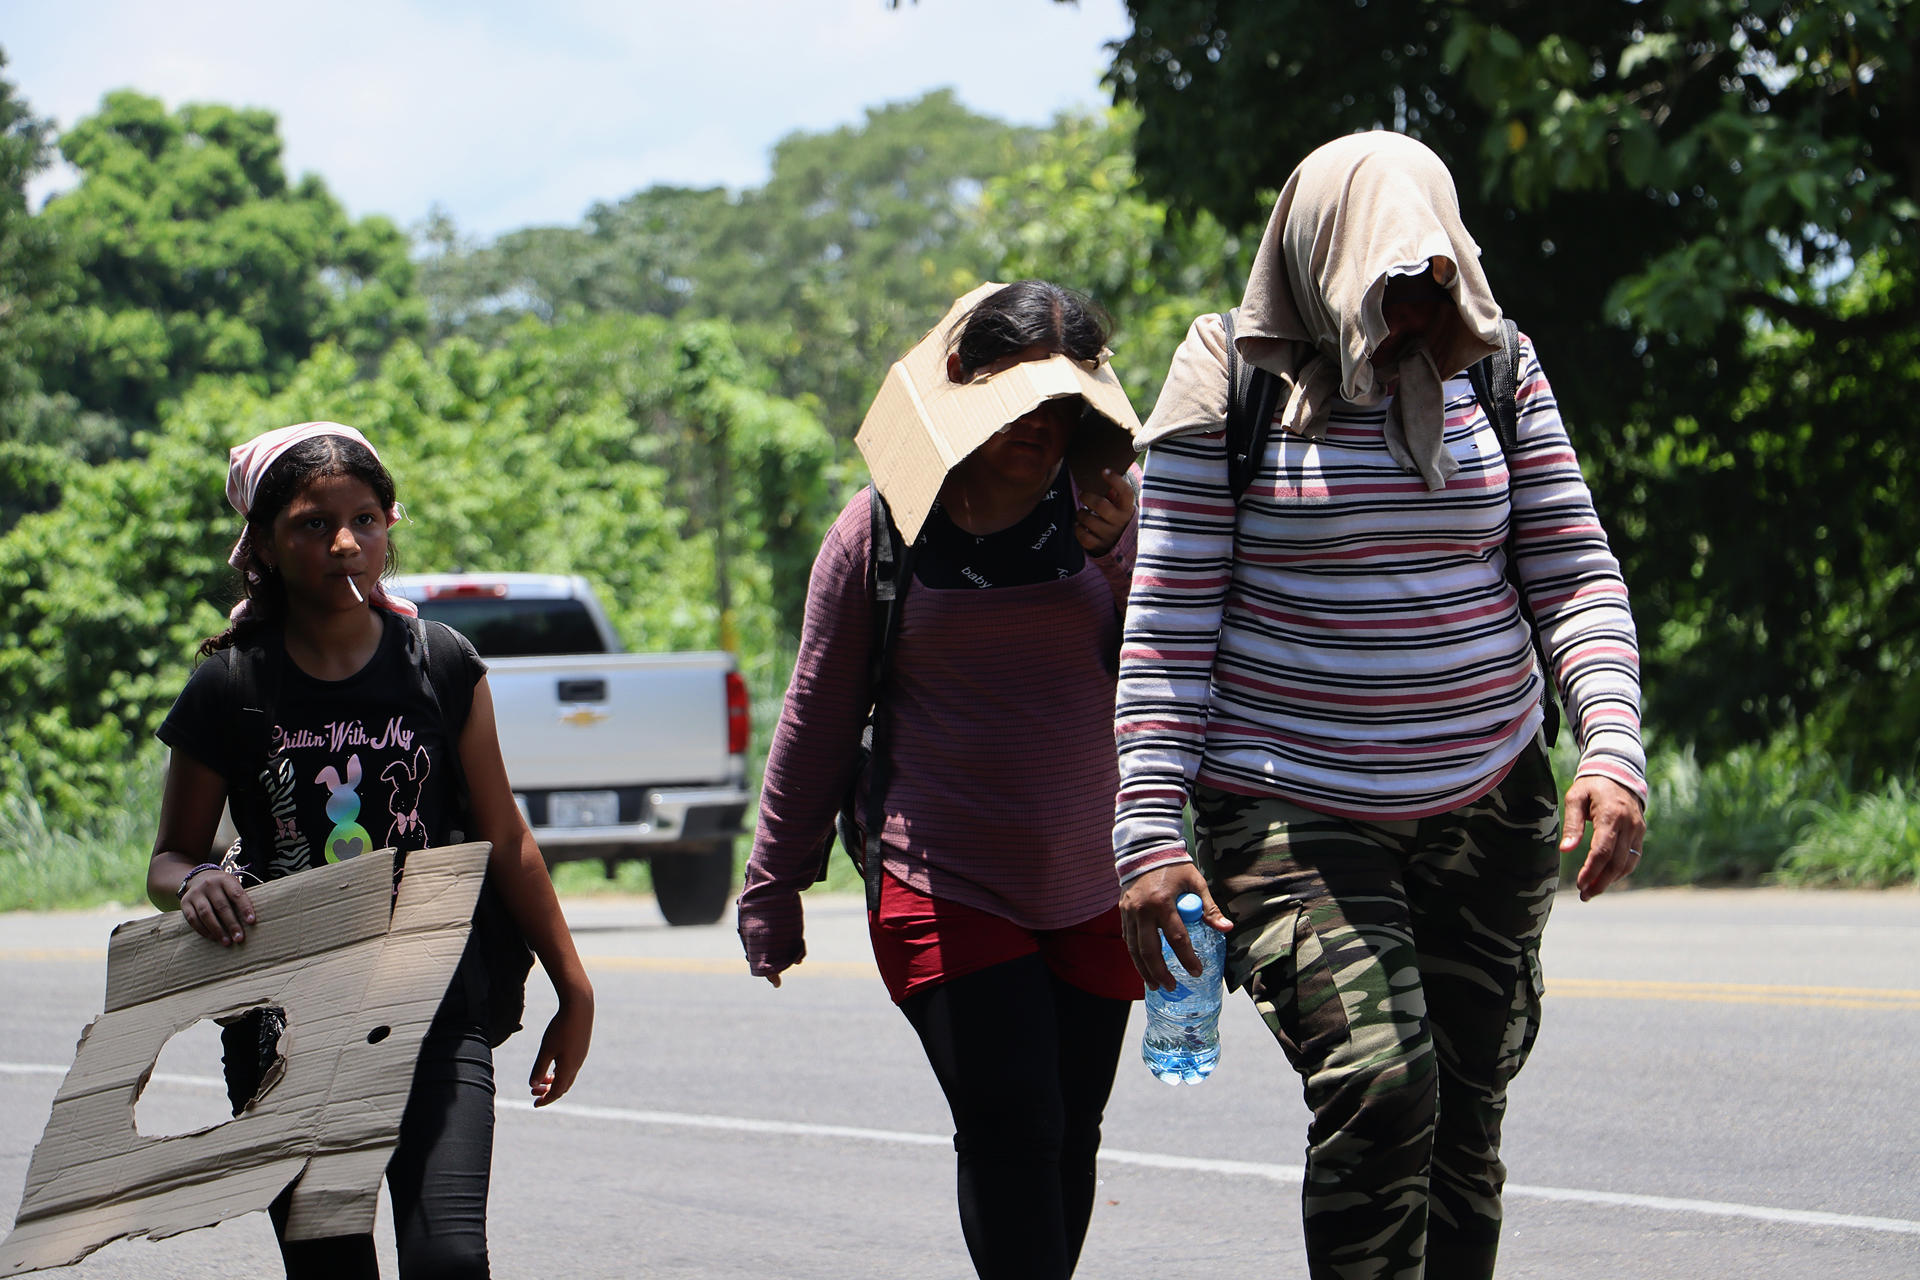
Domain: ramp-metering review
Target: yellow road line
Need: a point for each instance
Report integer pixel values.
(1735, 993)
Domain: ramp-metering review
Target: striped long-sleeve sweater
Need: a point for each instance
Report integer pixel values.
(1352, 643)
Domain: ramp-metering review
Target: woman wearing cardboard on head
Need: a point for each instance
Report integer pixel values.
(1338, 674)
(991, 885)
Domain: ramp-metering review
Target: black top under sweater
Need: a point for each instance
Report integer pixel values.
(1039, 548)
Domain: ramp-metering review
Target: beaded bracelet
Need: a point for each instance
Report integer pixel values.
(181, 892)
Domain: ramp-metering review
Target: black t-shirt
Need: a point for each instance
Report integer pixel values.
(1040, 547)
(353, 765)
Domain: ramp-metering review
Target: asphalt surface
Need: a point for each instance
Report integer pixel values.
(1725, 1087)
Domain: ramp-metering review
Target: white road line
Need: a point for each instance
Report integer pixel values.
(1285, 1173)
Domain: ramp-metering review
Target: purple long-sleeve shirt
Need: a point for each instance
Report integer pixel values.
(1000, 711)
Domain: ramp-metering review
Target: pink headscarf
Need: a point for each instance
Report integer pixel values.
(249, 462)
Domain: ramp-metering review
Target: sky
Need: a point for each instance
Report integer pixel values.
(511, 115)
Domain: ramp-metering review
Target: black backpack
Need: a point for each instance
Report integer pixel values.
(1253, 397)
(497, 959)
(889, 571)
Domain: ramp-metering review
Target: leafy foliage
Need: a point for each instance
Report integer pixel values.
(196, 256)
(37, 439)
(642, 255)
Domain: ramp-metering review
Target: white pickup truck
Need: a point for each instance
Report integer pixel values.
(612, 756)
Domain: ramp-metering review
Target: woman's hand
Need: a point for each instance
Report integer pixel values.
(217, 907)
(1619, 825)
(564, 1047)
(773, 978)
(1147, 910)
(1102, 520)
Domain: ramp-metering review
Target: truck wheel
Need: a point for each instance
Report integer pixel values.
(694, 887)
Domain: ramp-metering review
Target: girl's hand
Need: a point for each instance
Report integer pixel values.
(217, 907)
(1103, 519)
(563, 1048)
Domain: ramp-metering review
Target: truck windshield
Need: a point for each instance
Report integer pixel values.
(519, 628)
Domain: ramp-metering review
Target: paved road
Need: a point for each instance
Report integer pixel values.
(1726, 1087)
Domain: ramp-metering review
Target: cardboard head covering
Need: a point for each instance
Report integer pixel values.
(248, 464)
(922, 423)
(1358, 211)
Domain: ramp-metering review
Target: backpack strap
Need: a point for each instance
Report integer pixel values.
(1496, 385)
(1253, 397)
(892, 570)
(253, 688)
(891, 573)
(434, 654)
(253, 694)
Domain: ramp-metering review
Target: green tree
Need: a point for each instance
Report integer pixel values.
(642, 255)
(30, 269)
(1075, 213)
(197, 256)
(856, 244)
(39, 435)
(1704, 211)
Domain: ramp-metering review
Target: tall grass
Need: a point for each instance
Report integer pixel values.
(1873, 842)
(46, 864)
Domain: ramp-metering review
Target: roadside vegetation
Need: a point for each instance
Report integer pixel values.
(1704, 212)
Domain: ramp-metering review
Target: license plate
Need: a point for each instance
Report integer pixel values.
(583, 809)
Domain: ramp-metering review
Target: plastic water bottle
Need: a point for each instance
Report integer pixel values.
(1183, 1025)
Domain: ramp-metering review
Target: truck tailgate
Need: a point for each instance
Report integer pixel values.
(612, 719)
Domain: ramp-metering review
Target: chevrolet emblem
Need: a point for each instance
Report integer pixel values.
(583, 717)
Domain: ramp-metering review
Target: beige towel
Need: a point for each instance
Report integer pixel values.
(1356, 212)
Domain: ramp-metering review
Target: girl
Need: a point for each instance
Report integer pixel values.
(997, 917)
(336, 652)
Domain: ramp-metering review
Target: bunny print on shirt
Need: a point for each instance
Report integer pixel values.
(407, 781)
(348, 839)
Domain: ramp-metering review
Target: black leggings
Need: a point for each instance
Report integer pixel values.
(437, 1178)
(1026, 1061)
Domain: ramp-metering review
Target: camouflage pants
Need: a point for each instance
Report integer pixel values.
(1398, 965)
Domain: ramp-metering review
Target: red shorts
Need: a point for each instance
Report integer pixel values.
(919, 942)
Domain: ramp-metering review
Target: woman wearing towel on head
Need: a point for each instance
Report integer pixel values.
(1338, 674)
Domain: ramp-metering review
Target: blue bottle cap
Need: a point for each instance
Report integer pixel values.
(1189, 907)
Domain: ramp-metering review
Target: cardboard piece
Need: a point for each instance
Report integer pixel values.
(327, 951)
(922, 423)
